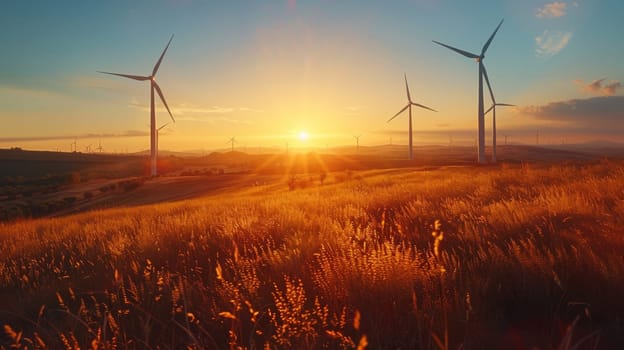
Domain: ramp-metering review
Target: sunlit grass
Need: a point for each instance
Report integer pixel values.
(426, 259)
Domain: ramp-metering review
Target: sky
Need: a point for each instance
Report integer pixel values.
(266, 71)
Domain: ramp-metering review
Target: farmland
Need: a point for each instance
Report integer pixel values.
(516, 255)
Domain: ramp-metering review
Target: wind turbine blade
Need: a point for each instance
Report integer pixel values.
(489, 109)
(505, 104)
(162, 98)
(135, 77)
(423, 106)
(487, 43)
(401, 111)
(409, 98)
(461, 52)
(161, 57)
(487, 80)
(163, 126)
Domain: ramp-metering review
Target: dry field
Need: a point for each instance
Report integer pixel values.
(508, 257)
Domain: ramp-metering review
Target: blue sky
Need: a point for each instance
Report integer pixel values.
(266, 70)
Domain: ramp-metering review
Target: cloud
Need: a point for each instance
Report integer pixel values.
(553, 9)
(184, 108)
(605, 113)
(599, 87)
(353, 110)
(214, 119)
(128, 133)
(550, 43)
(210, 114)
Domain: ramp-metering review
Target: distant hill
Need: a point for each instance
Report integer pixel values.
(16, 162)
(32, 164)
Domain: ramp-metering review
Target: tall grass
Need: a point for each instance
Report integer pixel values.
(519, 257)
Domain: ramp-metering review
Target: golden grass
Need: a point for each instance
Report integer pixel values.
(428, 259)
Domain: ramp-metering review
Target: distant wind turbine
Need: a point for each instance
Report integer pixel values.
(493, 109)
(409, 105)
(482, 72)
(157, 135)
(99, 147)
(153, 87)
(357, 142)
(232, 140)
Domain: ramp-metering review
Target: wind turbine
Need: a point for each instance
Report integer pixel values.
(157, 135)
(232, 140)
(357, 142)
(153, 87)
(409, 105)
(493, 109)
(482, 72)
(99, 147)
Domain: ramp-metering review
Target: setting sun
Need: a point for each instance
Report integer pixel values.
(303, 136)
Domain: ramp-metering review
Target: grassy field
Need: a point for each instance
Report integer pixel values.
(508, 257)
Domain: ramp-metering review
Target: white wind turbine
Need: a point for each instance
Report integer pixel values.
(409, 105)
(153, 87)
(481, 115)
(493, 109)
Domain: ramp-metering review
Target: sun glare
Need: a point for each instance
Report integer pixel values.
(303, 135)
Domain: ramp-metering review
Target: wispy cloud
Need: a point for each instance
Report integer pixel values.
(353, 110)
(551, 10)
(599, 87)
(212, 114)
(128, 133)
(550, 43)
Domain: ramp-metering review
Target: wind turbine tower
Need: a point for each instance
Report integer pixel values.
(493, 109)
(482, 72)
(157, 135)
(153, 87)
(409, 105)
(232, 140)
(357, 142)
